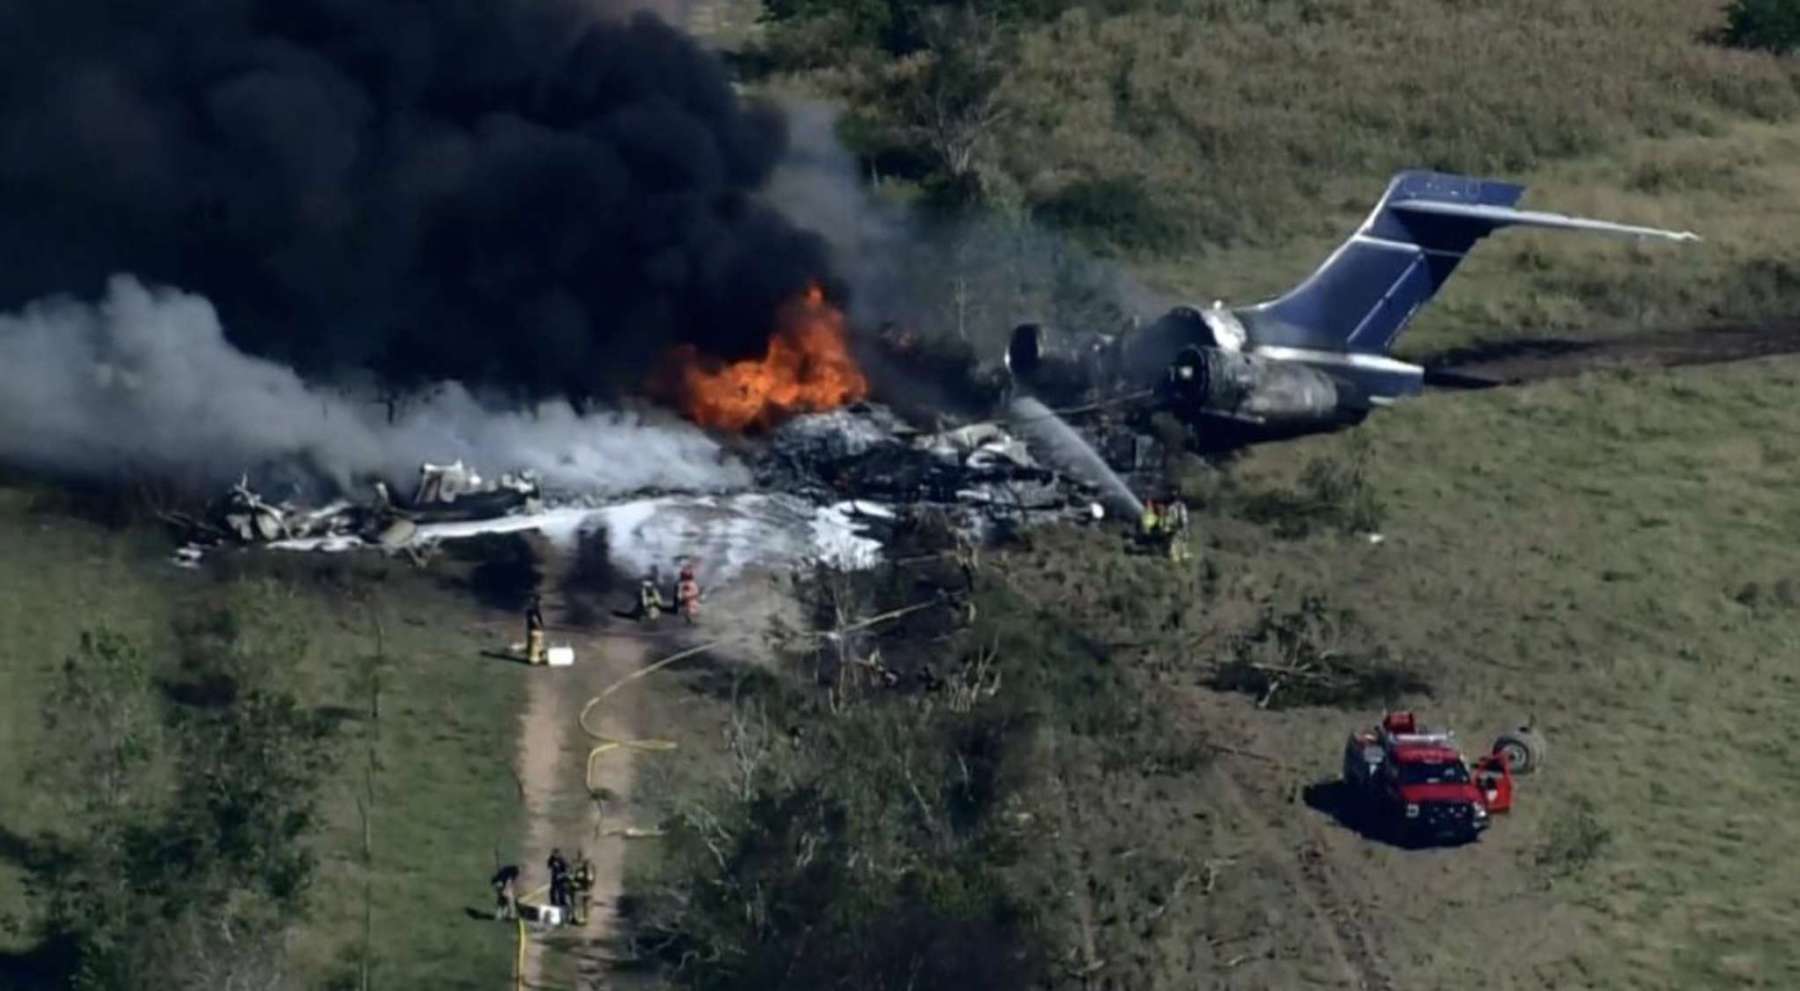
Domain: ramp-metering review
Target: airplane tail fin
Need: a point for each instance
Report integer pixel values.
(1360, 299)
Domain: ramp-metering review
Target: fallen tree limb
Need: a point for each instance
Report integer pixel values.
(1240, 752)
(871, 621)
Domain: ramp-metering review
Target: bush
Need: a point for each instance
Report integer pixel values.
(1312, 655)
(1764, 25)
(1118, 210)
(877, 832)
(1332, 492)
(185, 861)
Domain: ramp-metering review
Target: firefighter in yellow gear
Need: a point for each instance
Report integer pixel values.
(650, 601)
(583, 883)
(1177, 527)
(1150, 522)
(534, 632)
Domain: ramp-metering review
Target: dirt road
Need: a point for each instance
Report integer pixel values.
(1520, 360)
(551, 765)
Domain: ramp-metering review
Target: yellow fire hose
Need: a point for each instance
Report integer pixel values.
(519, 964)
(608, 744)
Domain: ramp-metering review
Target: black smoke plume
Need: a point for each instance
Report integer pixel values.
(504, 193)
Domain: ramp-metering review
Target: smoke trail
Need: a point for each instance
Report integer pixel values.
(969, 277)
(145, 380)
(1077, 456)
(498, 192)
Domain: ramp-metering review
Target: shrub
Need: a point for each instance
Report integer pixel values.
(1115, 209)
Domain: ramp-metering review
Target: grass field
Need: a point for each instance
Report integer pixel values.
(1603, 553)
(444, 800)
(1608, 553)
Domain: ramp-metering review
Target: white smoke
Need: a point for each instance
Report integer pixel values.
(144, 380)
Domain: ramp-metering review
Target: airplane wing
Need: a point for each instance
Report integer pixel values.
(1501, 216)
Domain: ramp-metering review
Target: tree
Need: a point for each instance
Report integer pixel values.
(1765, 25)
(180, 862)
(948, 97)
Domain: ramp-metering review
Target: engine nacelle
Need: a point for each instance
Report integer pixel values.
(1247, 385)
(1057, 367)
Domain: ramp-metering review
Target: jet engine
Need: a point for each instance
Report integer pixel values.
(1248, 386)
(1178, 357)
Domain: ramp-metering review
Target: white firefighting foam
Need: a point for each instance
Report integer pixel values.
(727, 534)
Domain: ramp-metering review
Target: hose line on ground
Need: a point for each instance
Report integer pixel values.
(607, 744)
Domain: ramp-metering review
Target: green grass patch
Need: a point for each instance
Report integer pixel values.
(444, 806)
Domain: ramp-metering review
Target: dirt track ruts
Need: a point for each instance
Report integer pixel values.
(1527, 359)
(1339, 922)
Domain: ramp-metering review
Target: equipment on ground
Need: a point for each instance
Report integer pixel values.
(1413, 784)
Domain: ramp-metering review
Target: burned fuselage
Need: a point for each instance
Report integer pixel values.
(1190, 362)
(1318, 356)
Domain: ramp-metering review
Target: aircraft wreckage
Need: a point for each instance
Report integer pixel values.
(840, 484)
(444, 493)
(835, 486)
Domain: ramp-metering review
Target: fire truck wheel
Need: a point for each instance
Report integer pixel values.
(1523, 748)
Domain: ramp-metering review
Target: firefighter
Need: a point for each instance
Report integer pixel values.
(584, 886)
(534, 632)
(559, 879)
(1149, 523)
(687, 594)
(506, 895)
(1176, 527)
(968, 558)
(650, 601)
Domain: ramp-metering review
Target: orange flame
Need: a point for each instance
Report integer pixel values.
(807, 368)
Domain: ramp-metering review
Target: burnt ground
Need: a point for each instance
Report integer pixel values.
(1519, 360)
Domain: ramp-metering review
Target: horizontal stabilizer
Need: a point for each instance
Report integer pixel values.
(1503, 216)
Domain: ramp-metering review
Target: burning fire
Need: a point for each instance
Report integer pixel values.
(807, 368)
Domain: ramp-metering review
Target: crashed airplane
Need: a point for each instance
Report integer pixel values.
(1316, 358)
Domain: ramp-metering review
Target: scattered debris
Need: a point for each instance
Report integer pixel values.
(453, 492)
(838, 486)
(445, 493)
(980, 476)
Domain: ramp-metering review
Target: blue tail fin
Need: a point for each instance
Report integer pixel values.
(1370, 287)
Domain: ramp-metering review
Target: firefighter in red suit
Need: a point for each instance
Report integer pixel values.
(687, 594)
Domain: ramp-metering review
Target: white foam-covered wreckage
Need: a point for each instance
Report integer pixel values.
(832, 487)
